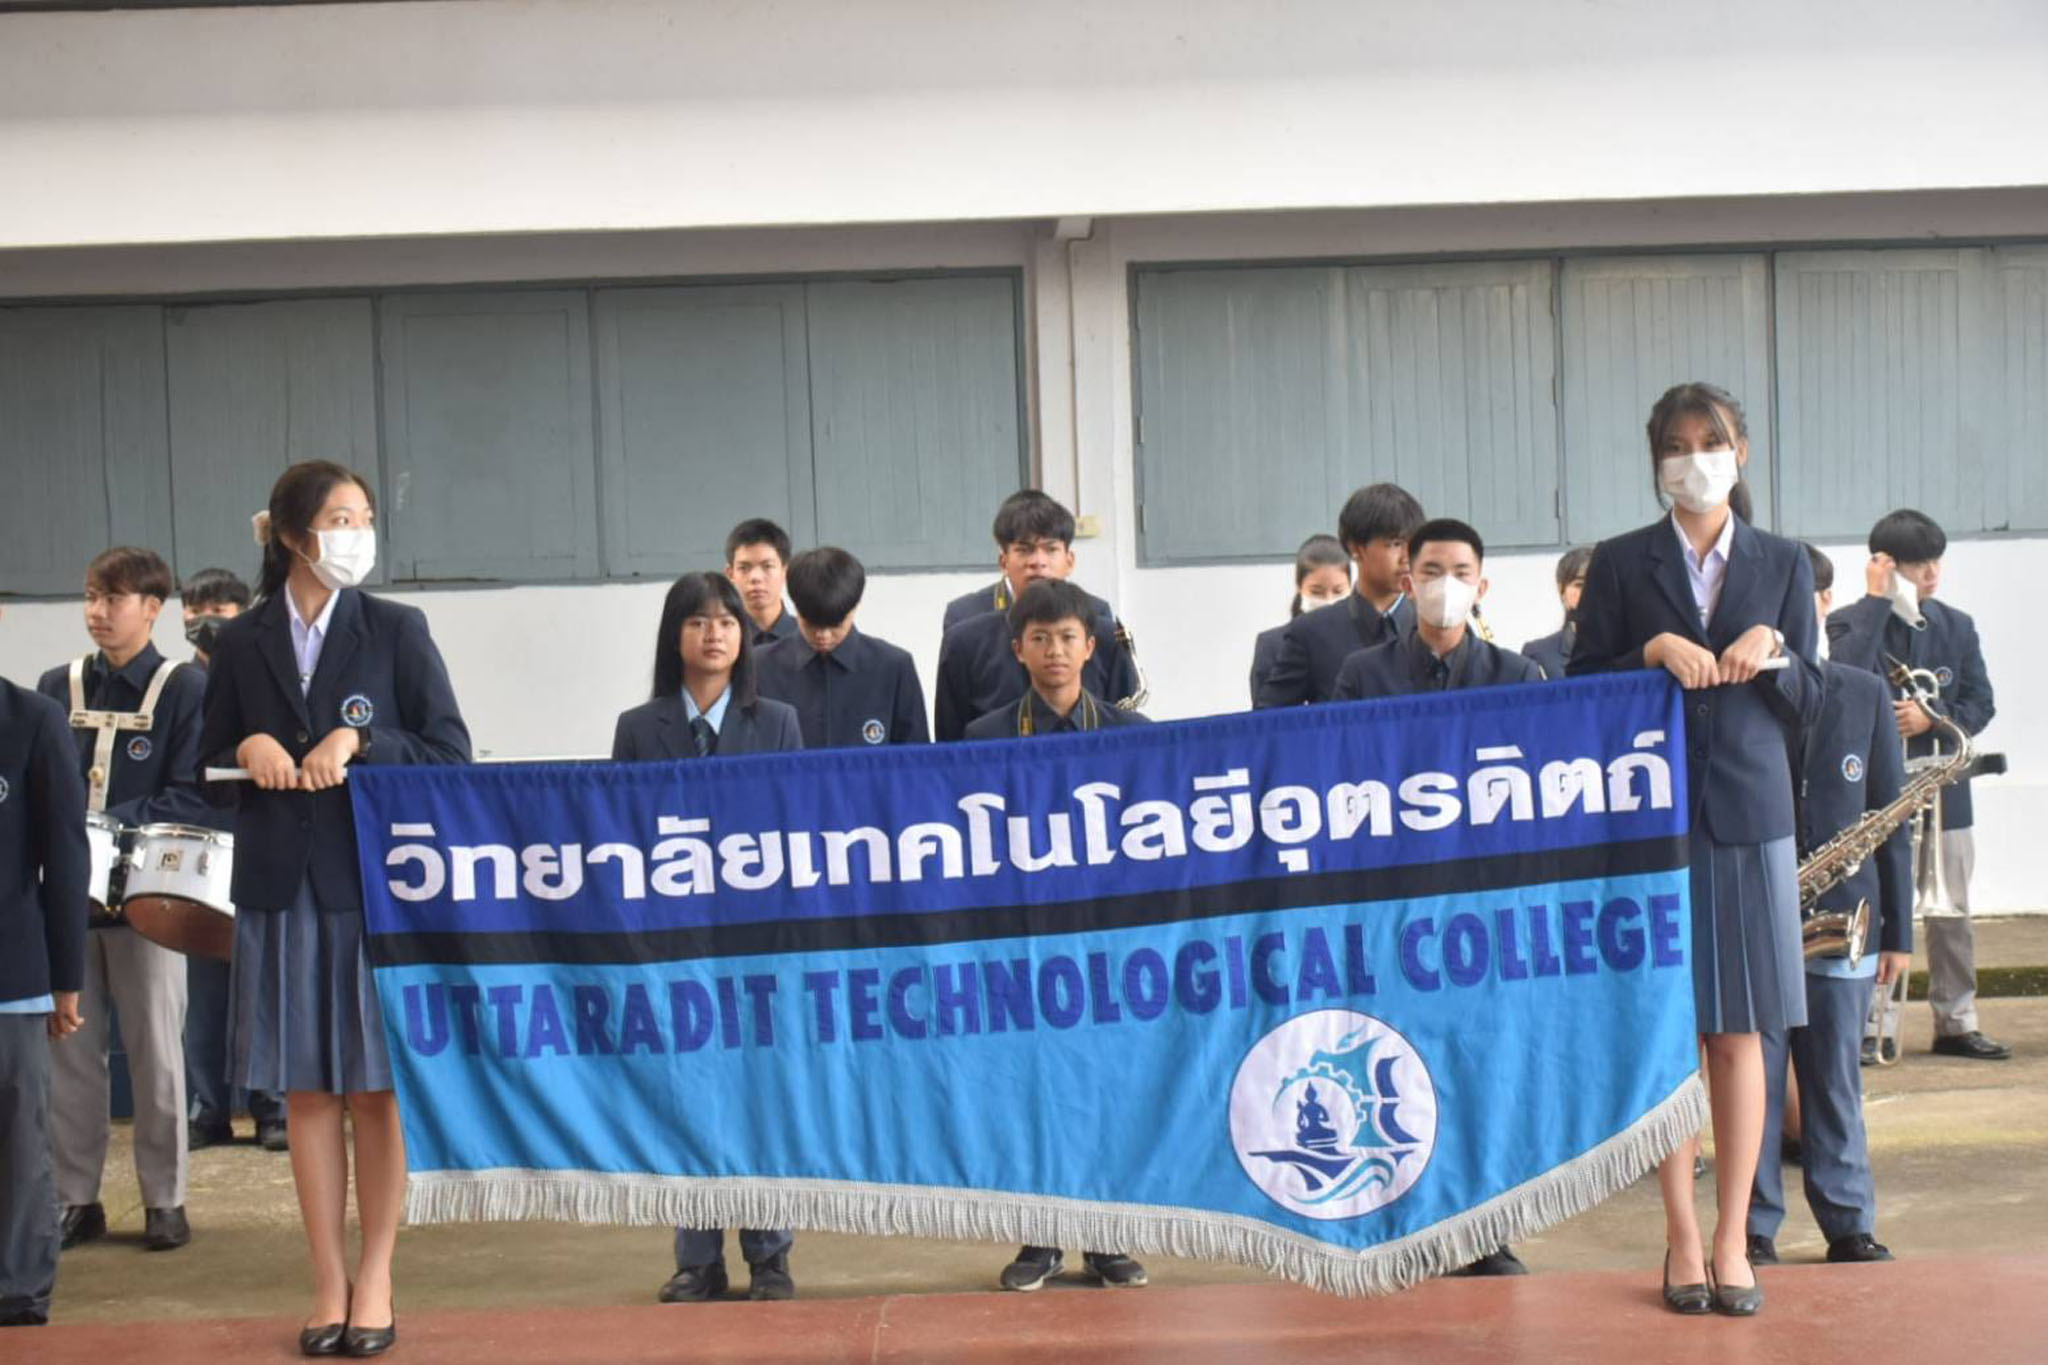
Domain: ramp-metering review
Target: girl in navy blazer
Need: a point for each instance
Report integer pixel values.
(704, 703)
(315, 678)
(1709, 599)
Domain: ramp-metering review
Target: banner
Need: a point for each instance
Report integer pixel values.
(1350, 993)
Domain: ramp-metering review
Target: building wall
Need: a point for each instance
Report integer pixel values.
(543, 670)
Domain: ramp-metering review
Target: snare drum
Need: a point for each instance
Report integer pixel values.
(103, 837)
(178, 878)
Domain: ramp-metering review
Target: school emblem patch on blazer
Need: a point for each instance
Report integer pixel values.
(138, 748)
(873, 731)
(1945, 676)
(3, 789)
(1852, 767)
(356, 711)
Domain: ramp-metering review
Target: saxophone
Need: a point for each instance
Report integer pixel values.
(1843, 933)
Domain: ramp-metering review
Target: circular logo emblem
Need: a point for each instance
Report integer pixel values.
(1333, 1114)
(357, 712)
(1945, 676)
(3, 789)
(138, 748)
(873, 731)
(1852, 767)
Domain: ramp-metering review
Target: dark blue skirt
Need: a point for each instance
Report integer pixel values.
(1748, 974)
(302, 1011)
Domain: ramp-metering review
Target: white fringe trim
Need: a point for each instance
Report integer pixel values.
(512, 1195)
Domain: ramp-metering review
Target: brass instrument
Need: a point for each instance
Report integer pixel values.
(1479, 624)
(1130, 647)
(1843, 933)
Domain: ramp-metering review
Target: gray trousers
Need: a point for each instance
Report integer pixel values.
(1952, 942)
(28, 1191)
(702, 1246)
(147, 984)
(1835, 1152)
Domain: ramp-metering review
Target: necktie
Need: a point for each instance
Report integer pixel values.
(705, 737)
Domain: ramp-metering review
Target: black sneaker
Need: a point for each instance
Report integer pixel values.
(1762, 1250)
(165, 1229)
(24, 1317)
(1115, 1270)
(770, 1279)
(1790, 1152)
(81, 1223)
(201, 1135)
(1890, 1052)
(1501, 1261)
(273, 1136)
(1973, 1045)
(1032, 1268)
(1868, 1057)
(696, 1283)
(1858, 1247)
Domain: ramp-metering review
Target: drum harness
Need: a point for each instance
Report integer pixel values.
(109, 724)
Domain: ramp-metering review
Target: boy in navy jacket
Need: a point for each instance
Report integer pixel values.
(848, 688)
(1375, 526)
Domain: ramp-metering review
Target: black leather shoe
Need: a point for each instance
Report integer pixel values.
(1499, 1262)
(199, 1136)
(1762, 1250)
(1692, 1300)
(272, 1136)
(1858, 1247)
(81, 1223)
(1733, 1302)
(24, 1317)
(1973, 1045)
(696, 1283)
(1791, 1153)
(324, 1340)
(165, 1229)
(769, 1280)
(369, 1341)
(1868, 1056)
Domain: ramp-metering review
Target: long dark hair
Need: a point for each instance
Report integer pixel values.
(1319, 551)
(295, 499)
(689, 596)
(1716, 407)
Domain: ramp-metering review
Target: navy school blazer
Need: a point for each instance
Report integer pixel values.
(1739, 741)
(378, 672)
(1853, 763)
(979, 672)
(660, 729)
(153, 777)
(1862, 633)
(982, 601)
(864, 692)
(45, 865)
(1265, 653)
(1315, 644)
(1550, 652)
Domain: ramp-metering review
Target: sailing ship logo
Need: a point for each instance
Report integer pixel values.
(1333, 1114)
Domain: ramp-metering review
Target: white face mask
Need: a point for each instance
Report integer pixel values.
(347, 557)
(1445, 602)
(1906, 601)
(1699, 482)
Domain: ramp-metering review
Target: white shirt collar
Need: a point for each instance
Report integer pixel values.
(1721, 544)
(318, 627)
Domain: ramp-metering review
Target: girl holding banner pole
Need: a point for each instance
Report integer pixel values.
(1728, 611)
(318, 676)
(704, 702)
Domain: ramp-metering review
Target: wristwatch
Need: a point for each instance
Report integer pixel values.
(1778, 639)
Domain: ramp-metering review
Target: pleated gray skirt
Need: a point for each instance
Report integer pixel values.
(1747, 971)
(302, 1011)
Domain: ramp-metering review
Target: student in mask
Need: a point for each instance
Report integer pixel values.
(705, 703)
(1445, 579)
(1712, 601)
(1551, 652)
(319, 677)
(211, 598)
(978, 670)
(1374, 528)
(757, 562)
(848, 688)
(1899, 618)
(1322, 575)
(143, 775)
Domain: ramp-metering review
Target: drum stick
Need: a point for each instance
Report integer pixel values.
(242, 774)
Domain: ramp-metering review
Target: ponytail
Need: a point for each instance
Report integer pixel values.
(295, 499)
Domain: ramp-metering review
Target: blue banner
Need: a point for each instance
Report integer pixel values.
(1354, 993)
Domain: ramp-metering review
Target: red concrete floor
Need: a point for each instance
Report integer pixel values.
(1985, 1311)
